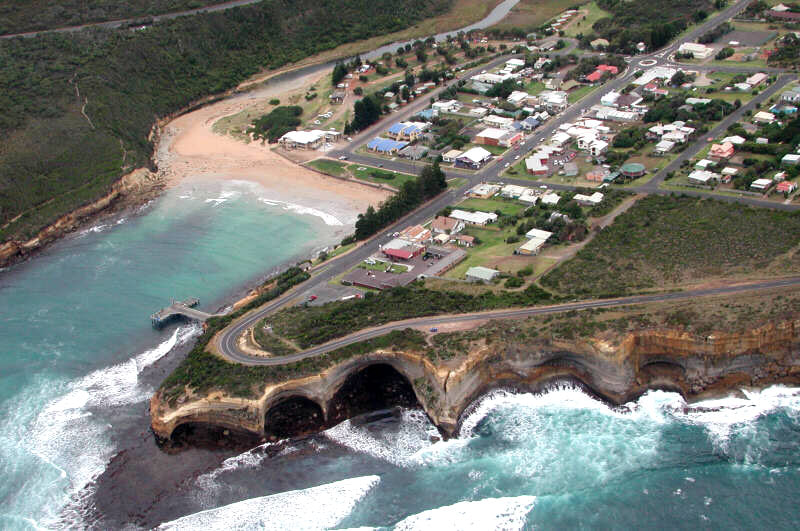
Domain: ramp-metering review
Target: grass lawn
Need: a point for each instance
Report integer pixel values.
(377, 175)
(534, 87)
(381, 266)
(493, 248)
(585, 25)
(507, 207)
(331, 167)
(580, 92)
(667, 241)
(456, 182)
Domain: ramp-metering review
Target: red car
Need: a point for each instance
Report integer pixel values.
(312, 298)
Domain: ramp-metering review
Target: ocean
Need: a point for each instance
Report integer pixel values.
(79, 360)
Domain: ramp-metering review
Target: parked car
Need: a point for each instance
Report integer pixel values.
(343, 157)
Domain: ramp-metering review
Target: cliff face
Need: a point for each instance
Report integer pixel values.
(134, 188)
(618, 369)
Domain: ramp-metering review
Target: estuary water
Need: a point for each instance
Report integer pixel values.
(75, 333)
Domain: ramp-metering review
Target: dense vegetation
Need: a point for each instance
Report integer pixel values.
(430, 183)
(318, 324)
(17, 16)
(55, 158)
(653, 22)
(663, 241)
(277, 123)
(787, 51)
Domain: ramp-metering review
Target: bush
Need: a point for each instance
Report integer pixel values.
(274, 101)
(514, 282)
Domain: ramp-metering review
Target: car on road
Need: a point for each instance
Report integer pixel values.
(380, 165)
(516, 158)
(541, 139)
(434, 329)
(343, 157)
(312, 298)
(507, 164)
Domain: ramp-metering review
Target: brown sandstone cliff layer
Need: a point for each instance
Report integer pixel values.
(617, 369)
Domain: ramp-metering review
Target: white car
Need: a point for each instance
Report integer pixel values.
(516, 158)
(343, 157)
(507, 165)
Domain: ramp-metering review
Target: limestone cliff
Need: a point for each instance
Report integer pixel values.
(617, 367)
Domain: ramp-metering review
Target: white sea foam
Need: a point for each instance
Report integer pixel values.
(489, 513)
(319, 507)
(223, 197)
(66, 434)
(403, 446)
(329, 219)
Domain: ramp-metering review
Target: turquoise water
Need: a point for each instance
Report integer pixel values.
(75, 331)
(75, 339)
(559, 460)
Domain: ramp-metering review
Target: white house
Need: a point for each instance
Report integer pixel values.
(762, 185)
(703, 177)
(699, 51)
(589, 200)
(551, 198)
(791, 159)
(446, 106)
(474, 218)
(764, 117)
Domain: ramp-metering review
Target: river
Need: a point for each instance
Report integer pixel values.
(79, 359)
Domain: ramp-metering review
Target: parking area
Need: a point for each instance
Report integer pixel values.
(435, 261)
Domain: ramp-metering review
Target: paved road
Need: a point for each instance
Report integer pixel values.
(227, 341)
(425, 322)
(113, 24)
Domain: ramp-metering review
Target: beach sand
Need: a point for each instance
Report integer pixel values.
(189, 149)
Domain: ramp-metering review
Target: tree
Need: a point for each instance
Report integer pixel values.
(339, 73)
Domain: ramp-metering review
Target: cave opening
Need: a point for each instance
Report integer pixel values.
(373, 388)
(295, 416)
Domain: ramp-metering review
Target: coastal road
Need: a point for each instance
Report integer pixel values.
(229, 336)
(114, 24)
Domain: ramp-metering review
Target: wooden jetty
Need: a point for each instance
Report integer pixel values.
(179, 308)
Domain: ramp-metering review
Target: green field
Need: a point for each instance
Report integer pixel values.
(594, 13)
(507, 207)
(331, 167)
(668, 241)
(377, 175)
(580, 92)
(493, 247)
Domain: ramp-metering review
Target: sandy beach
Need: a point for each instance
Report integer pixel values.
(190, 149)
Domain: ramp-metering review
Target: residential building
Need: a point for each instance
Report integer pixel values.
(598, 147)
(589, 200)
(451, 155)
(483, 190)
(791, 159)
(698, 101)
(402, 249)
(529, 197)
(597, 75)
(663, 147)
(415, 234)
(474, 158)
(474, 218)
(756, 79)
(337, 97)
(518, 98)
(654, 73)
(531, 247)
(790, 96)
(719, 152)
(535, 166)
(570, 169)
(385, 145)
(481, 274)
(409, 131)
(490, 136)
(308, 139)
(761, 185)
(704, 164)
(786, 187)
(763, 117)
(512, 191)
(703, 177)
(446, 106)
(550, 198)
(465, 240)
(736, 140)
(530, 123)
(499, 122)
(413, 152)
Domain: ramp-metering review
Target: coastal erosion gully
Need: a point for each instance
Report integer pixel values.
(228, 338)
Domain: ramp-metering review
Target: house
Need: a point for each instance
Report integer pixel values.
(704, 164)
(588, 200)
(474, 218)
(727, 173)
(763, 117)
(337, 97)
(790, 96)
(610, 99)
(415, 234)
(719, 152)
(598, 147)
(538, 234)
(699, 51)
(465, 240)
(599, 71)
(451, 155)
(409, 131)
(789, 16)
(791, 159)
(655, 90)
(483, 190)
(473, 158)
(441, 239)
(597, 174)
(530, 123)
(385, 145)
(736, 140)
(512, 191)
(663, 147)
(697, 101)
(515, 64)
(529, 197)
(302, 139)
(478, 111)
(481, 274)
(446, 106)
(551, 198)
(413, 152)
(786, 187)
(535, 166)
(499, 122)
(703, 177)
(446, 225)
(761, 185)
(531, 247)
(554, 101)
(756, 79)
(518, 98)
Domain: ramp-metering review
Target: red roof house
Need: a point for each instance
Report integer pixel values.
(786, 187)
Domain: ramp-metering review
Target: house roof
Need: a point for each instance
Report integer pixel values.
(476, 155)
(405, 254)
(444, 223)
(482, 272)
